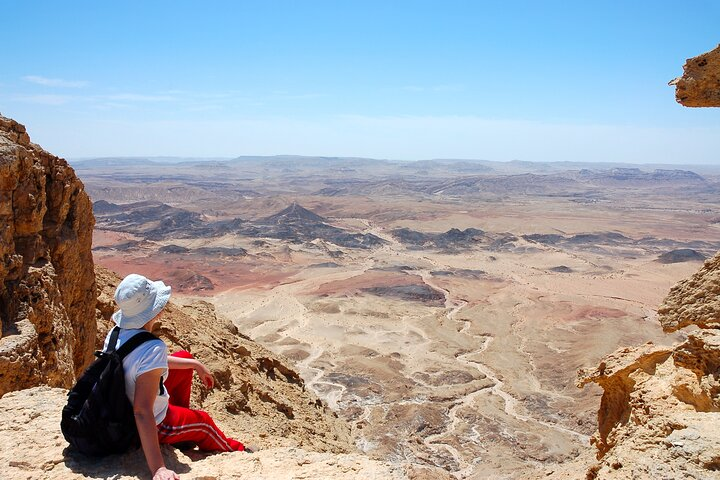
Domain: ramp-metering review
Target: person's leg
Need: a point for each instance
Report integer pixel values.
(179, 382)
(182, 425)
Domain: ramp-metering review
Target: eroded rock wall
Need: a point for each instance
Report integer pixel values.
(694, 301)
(47, 284)
(660, 410)
(661, 406)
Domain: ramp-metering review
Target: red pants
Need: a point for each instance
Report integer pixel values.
(184, 425)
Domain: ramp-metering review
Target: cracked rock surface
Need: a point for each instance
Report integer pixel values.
(661, 406)
(47, 284)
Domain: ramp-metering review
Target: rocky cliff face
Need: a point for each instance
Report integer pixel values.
(661, 406)
(694, 301)
(47, 285)
(700, 84)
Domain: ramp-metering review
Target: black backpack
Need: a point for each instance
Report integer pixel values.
(98, 418)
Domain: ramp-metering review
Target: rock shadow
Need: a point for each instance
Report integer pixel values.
(132, 463)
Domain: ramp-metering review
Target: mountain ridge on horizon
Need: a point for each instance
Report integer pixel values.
(500, 167)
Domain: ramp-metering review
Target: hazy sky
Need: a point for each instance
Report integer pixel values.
(534, 80)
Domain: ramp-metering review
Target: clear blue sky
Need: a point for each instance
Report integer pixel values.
(530, 80)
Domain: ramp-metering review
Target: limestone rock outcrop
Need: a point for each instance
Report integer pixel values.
(660, 410)
(694, 301)
(699, 85)
(660, 407)
(47, 284)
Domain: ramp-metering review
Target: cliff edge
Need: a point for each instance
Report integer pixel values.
(47, 284)
(258, 398)
(35, 450)
(660, 407)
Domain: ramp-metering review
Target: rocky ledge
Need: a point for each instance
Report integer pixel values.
(660, 407)
(31, 417)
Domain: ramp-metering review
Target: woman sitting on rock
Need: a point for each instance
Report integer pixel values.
(158, 385)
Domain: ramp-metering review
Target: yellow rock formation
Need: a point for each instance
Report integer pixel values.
(699, 85)
(47, 285)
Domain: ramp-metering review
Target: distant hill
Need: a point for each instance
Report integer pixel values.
(295, 213)
(638, 175)
(458, 166)
(158, 221)
(681, 255)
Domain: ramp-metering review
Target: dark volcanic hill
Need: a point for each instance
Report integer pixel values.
(604, 242)
(103, 207)
(298, 224)
(294, 213)
(454, 239)
(158, 221)
(681, 255)
(152, 220)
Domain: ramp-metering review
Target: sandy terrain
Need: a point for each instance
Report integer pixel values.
(457, 349)
(488, 378)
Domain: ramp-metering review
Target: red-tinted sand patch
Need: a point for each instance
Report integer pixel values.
(106, 238)
(369, 279)
(195, 277)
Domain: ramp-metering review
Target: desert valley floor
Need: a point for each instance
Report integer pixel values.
(442, 308)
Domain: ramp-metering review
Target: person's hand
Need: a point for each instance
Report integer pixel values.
(205, 375)
(163, 473)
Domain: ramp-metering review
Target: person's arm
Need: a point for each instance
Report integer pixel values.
(202, 370)
(146, 390)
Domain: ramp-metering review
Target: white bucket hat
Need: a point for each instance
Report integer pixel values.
(140, 300)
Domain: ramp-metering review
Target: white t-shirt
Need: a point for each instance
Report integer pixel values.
(148, 356)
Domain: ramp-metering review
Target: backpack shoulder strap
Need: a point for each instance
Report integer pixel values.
(134, 342)
(114, 334)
